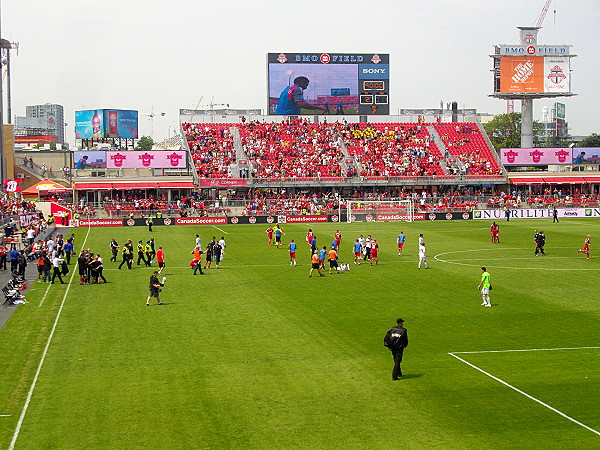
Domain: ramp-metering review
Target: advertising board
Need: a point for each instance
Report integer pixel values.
(348, 83)
(89, 159)
(106, 123)
(535, 74)
(535, 156)
(152, 159)
(542, 213)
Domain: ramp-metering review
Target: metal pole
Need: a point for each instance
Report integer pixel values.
(526, 123)
(2, 158)
(8, 99)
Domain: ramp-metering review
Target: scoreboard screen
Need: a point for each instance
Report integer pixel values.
(346, 83)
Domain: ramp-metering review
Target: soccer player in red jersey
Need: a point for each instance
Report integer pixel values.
(586, 247)
(495, 231)
(160, 258)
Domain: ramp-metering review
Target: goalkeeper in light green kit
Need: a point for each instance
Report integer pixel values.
(485, 286)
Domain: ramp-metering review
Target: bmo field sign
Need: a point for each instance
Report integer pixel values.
(347, 83)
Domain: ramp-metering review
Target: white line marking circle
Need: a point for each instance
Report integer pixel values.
(489, 263)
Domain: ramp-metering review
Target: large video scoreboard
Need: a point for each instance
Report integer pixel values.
(347, 83)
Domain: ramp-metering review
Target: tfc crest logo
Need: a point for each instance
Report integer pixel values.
(352, 218)
(281, 58)
(431, 216)
(147, 159)
(510, 156)
(536, 156)
(234, 220)
(167, 221)
(529, 38)
(531, 50)
(131, 222)
(449, 216)
(270, 219)
(252, 219)
(118, 159)
(465, 216)
(376, 59)
(556, 75)
(369, 218)
(325, 58)
(174, 158)
(562, 155)
(334, 218)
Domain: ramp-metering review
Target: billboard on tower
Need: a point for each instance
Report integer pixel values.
(532, 70)
(346, 83)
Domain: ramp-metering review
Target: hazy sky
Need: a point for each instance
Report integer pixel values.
(161, 56)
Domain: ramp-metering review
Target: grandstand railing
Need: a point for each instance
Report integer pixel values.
(378, 181)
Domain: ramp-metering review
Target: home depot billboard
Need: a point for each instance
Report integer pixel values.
(534, 74)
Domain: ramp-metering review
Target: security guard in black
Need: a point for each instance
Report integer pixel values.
(396, 340)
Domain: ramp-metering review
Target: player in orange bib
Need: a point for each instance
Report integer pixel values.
(315, 264)
(332, 258)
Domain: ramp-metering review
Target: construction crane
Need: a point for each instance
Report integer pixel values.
(542, 15)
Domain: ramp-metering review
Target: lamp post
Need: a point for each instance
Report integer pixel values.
(5, 48)
(151, 116)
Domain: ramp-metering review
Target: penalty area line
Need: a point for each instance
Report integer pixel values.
(560, 413)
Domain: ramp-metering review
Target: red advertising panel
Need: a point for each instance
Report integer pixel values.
(223, 182)
(398, 217)
(100, 222)
(201, 221)
(303, 219)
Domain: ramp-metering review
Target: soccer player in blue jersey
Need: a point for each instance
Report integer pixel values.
(292, 249)
(357, 252)
(400, 242)
(291, 100)
(322, 254)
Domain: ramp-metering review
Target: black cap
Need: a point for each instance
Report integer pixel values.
(399, 320)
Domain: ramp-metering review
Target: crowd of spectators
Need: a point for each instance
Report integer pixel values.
(464, 142)
(393, 149)
(543, 199)
(10, 206)
(292, 149)
(297, 148)
(211, 146)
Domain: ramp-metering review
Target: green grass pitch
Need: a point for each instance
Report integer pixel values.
(258, 355)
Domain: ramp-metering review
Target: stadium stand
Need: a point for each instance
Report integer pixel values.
(466, 143)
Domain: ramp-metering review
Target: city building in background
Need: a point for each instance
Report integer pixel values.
(42, 120)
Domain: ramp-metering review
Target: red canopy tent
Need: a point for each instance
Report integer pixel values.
(44, 187)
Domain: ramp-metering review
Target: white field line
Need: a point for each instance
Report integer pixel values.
(39, 369)
(282, 265)
(527, 350)
(222, 231)
(45, 294)
(490, 262)
(560, 413)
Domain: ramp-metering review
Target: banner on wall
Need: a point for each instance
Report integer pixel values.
(545, 213)
(152, 159)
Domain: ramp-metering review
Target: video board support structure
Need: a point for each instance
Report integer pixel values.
(528, 71)
(114, 142)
